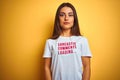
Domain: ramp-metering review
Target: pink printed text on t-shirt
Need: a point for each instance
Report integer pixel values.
(66, 47)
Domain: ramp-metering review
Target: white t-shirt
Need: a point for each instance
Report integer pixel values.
(66, 53)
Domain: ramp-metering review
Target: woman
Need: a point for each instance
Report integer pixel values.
(67, 54)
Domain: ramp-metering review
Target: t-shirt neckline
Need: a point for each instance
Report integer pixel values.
(66, 36)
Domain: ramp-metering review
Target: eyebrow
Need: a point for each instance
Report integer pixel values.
(68, 12)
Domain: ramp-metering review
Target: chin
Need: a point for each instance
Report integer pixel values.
(67, 27)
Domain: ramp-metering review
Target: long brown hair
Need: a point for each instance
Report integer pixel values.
(58, 30)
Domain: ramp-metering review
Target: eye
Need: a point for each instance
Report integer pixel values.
(71, 15)
(61, 14)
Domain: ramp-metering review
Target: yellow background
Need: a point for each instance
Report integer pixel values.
(26, 24)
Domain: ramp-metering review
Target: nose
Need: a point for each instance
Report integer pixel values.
(66, 17)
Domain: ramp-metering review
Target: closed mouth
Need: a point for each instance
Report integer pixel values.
(66, 23)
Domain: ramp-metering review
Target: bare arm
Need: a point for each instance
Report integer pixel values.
(47, 69)
(86, 68)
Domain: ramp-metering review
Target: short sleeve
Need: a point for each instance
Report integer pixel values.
(85, 48)
(47, 50)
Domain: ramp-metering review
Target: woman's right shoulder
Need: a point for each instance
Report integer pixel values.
(50, 40)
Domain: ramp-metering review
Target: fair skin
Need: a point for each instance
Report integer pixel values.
(47, 69)
(66, 21)
(86, 68)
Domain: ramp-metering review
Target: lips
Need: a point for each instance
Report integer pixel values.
(66, 23)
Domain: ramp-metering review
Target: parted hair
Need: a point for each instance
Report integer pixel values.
(57, 30)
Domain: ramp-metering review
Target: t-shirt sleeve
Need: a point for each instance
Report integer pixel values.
(47, 50)
(85, 48)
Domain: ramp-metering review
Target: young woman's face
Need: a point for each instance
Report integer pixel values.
(66, 18)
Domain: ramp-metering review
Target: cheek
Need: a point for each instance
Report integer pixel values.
(72, 21)
(61, 21)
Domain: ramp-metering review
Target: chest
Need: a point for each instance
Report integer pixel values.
(65, 47)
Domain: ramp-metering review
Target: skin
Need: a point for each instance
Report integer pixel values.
(47, 65)
(66, 18)
(86, 68)
(66, 21)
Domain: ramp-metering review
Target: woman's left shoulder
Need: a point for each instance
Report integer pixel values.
(80, 37)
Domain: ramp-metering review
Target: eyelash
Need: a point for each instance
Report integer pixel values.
(71, 15)
(64, 15)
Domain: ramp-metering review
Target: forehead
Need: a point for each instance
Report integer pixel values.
(66, 9)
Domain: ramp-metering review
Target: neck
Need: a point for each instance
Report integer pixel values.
(66, 33)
